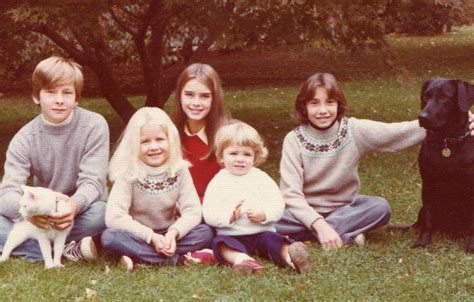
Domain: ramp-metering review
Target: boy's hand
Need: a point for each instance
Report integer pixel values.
(64, 219)
(327, 236)
(256, 215)
(170, 241)
(40, 221)
(237, 213)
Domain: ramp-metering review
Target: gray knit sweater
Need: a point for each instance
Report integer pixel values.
(71, 159)
(319, 168)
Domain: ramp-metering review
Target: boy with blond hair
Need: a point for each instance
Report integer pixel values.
(65, 149)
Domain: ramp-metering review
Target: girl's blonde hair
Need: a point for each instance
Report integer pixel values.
(126, 163)
(55, 71)
(307, 91)
(240, 134)
(217, 115)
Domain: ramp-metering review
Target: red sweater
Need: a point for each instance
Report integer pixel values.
(204, 170)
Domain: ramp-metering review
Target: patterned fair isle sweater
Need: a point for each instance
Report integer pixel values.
(319, 168)
(140, 207)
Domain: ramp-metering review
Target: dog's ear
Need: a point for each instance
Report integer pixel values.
(465, 95)
(423, 89)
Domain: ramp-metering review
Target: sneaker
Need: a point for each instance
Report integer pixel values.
(126, 263)
(85, 249)
(248, 267)
(205, 256)
(300, 257)
(359, 240)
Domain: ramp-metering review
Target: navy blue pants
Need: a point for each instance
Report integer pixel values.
(264, 244)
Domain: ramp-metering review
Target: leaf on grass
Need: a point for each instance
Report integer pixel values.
(199, 293)
(107, 270)
(92, 295)
(300, 288)
(93, 282)
(409, 270)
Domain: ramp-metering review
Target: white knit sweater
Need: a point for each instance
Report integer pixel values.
(256, 188)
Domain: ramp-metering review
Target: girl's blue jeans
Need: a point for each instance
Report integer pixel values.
(120, 242)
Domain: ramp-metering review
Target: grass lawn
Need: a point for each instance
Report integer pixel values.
(385, 269)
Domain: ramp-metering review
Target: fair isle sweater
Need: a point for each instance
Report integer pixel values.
(258, 191)
(71, 159)
(319, 168)
(141, 207)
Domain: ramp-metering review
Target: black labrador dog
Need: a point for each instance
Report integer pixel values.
(446, 160)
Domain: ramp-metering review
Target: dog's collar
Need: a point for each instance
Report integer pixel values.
(450, 139)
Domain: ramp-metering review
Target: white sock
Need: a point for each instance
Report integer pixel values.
(241, 258)
(289, 262)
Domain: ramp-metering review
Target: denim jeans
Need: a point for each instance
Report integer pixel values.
(121, 242)
(365, 213)
(91, 222)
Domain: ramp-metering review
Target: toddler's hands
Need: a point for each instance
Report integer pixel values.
(237, 213)
(327, 236)
(170, 240)
(256, 215)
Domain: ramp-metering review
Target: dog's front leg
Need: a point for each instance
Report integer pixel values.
(470, 245)
(426, 218)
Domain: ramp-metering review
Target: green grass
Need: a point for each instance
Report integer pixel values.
(385, 269)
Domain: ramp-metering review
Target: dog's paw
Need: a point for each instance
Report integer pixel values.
(420, 244)
(3, 259)
(470, 247)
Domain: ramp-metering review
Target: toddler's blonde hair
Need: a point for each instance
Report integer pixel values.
(240, 134)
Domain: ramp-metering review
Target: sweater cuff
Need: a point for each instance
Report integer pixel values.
(310, 218)
(148, 237)
(10, 205)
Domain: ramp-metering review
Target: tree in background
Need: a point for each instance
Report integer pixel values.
(163, 36)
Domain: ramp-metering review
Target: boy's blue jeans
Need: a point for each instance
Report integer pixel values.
(91, 222)
(120, 242)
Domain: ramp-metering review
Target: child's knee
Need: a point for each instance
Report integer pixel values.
(382, 208)
(107, 238)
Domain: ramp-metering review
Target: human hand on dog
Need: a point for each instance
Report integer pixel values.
(327, 236)
(471, 123)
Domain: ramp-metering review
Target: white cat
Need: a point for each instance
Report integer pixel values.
(38, 201)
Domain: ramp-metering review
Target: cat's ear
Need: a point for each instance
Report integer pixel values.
(28, 192)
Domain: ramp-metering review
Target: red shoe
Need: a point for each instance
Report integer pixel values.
(205, 256)
(248, 267)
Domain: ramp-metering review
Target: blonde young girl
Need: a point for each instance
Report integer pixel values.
(242, 202)
(152, 182)
(199, 112)
(319, 179)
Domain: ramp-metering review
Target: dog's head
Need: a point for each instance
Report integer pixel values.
(444, 102)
